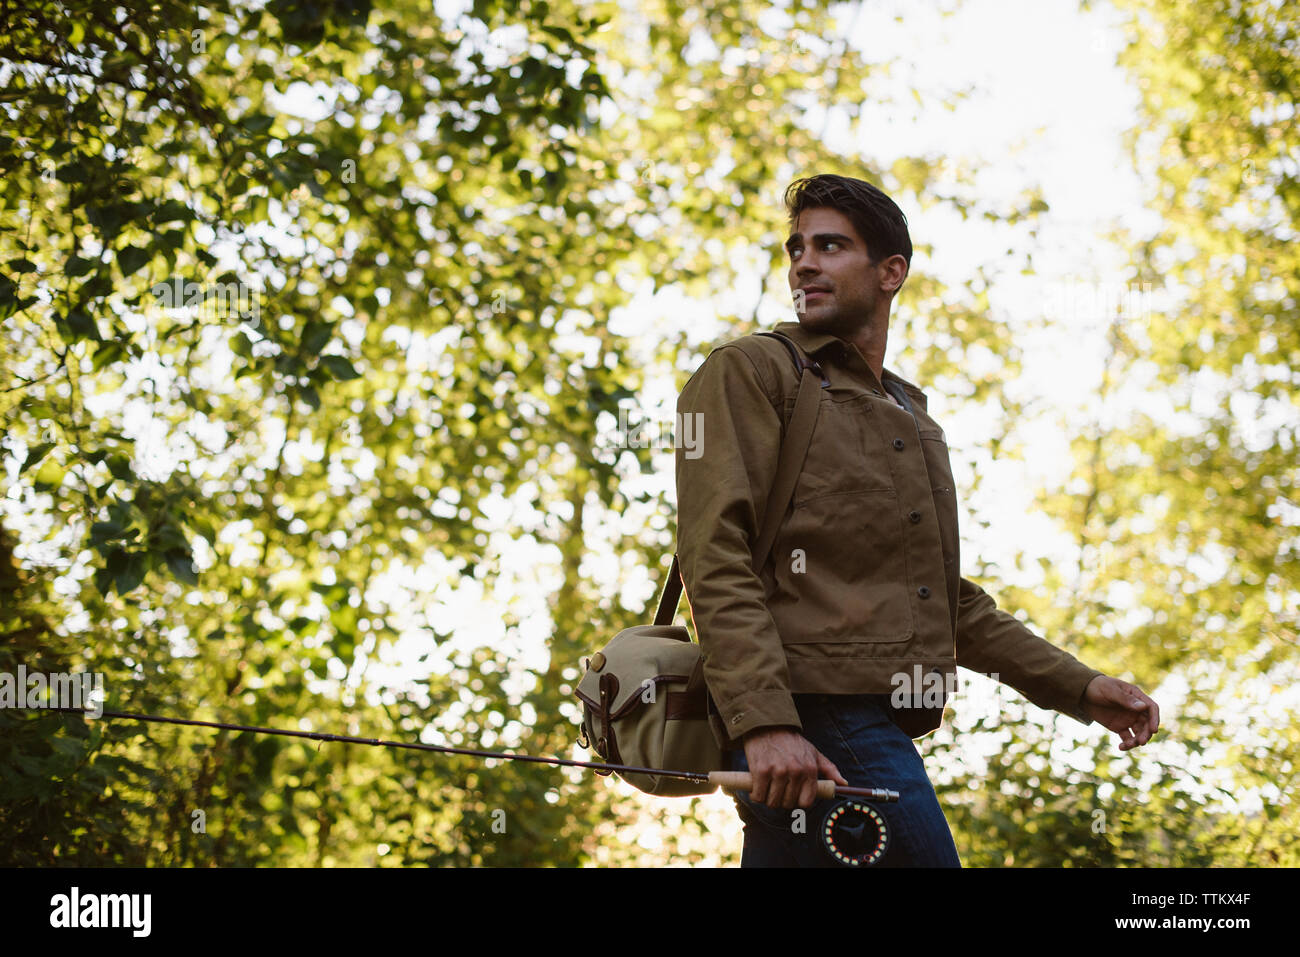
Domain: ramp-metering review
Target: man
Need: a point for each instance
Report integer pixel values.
(862, 593)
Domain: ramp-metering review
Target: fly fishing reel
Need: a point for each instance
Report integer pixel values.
(855, 833)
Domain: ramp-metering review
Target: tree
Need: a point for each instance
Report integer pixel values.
(1182, 515)
(273, 368)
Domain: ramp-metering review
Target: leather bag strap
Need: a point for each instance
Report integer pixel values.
(794, 450)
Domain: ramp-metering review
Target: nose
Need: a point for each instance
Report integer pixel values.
(807, 264)
(804, 276)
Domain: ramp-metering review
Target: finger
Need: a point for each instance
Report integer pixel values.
(1126, 694)
(776, 790)
(1143, 715)
(1142, 712)
(758, 785)
(807, 792)
(1147, 728)
(827, 767)
(803, 787)
(790, 794)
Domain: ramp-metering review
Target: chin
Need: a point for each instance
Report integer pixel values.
(822, 322)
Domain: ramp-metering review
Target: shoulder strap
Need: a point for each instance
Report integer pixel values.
(897, 391)
(794, 449)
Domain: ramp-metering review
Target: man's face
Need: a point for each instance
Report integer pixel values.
(836, 286)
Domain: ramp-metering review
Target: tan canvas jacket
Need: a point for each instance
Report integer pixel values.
(863, 583)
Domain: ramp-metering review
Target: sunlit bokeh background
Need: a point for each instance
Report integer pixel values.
(1057, 252)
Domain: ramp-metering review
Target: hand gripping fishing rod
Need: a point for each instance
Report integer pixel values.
(854, 833)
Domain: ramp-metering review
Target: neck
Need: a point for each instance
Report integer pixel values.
(870, 339)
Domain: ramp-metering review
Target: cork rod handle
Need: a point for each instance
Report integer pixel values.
(742, 781)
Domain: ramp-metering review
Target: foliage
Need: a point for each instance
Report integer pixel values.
(273, 368)
(1183, 515)
(284, 379)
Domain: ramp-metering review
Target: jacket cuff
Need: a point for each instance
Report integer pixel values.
(1072, 689)
(759, 709)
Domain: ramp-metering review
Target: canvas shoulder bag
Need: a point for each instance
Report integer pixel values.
(643, 695)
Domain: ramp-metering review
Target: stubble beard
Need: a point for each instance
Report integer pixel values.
(829, 321)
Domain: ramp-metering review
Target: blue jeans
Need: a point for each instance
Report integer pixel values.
(858, 735)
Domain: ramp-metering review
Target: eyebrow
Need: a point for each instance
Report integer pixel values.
(797, 239)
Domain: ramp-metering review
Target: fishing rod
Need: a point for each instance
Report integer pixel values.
(854, 833)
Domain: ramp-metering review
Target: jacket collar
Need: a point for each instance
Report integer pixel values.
(811, 342)
(814, 342)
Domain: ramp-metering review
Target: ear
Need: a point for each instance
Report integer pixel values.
(892, 273)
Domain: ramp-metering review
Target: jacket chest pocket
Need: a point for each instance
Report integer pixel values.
(937, 462)
(943, 491)
(847, 451)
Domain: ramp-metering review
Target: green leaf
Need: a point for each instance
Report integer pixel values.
(109, 218)
(49, 476)
(169, 538)
(257, 122)
(103, 581)
(172, 211)
(339, 368)
(79, 325)
(131, 574)
(202, 526)
(315, 337)
(73, 172)
(79, 266)
(103, 532)
(34, 455)
(120, 466)
(560, 32)
(107, 352)
(182, 567)
(130, 259)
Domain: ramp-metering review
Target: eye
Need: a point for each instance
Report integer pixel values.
(829, 243)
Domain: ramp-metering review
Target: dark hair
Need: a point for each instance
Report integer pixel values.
(874, 215)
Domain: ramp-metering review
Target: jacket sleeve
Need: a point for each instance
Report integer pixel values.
(996, 643)
(722, 489)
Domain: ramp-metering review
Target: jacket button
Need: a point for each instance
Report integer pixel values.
(898, 444)
(914, 515)
(923, 591)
